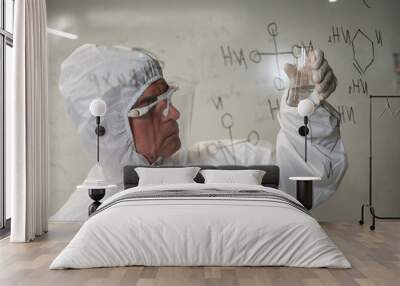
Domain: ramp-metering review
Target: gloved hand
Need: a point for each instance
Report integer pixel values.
(317, 68)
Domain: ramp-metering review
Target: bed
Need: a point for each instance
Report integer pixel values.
(199, 224)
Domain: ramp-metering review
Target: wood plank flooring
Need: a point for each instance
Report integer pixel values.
(375, 257)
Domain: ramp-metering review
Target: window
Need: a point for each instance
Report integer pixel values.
(6, 44)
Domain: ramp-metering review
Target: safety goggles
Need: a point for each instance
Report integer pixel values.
(141, 111)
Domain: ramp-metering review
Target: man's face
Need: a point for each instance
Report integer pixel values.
(156, 135)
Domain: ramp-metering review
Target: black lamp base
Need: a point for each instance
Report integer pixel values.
(100, 130)
(303, 130)
(96, 195)
(304, 193)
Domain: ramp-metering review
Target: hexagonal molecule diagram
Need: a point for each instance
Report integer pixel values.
(363, 51)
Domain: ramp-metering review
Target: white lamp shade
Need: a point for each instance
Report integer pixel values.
(98, 107)
(305, 107)
(96, 179)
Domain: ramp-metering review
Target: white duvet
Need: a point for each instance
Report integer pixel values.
(200, 231)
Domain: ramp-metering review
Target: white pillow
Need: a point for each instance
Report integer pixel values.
(162, 176)
(248, 177)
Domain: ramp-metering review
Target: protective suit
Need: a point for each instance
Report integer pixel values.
(120, 76)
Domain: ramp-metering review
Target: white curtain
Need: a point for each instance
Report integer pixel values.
(27, 123)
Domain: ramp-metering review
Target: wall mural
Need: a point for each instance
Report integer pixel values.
(233, 108)
(148, 119)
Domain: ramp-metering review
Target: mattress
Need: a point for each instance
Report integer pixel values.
(201, 225)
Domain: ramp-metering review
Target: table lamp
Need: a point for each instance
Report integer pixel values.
(304, 185)
(96, 182)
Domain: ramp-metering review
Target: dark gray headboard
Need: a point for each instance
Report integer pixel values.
(270, 179)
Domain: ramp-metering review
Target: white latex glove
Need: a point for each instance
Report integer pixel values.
(319, 70)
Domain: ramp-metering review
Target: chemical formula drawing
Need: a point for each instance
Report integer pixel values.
(362, 45)
(232, 57)
(227, 123)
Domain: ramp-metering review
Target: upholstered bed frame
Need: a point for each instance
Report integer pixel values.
(270, 179)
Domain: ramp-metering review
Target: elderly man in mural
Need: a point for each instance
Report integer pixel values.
(141, 120)
(153, 121)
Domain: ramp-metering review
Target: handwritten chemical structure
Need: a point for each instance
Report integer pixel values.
(232, 56)
(256, 55)
(227, 122)
(363, 46)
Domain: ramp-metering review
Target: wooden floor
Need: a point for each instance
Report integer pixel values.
(375, 257)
